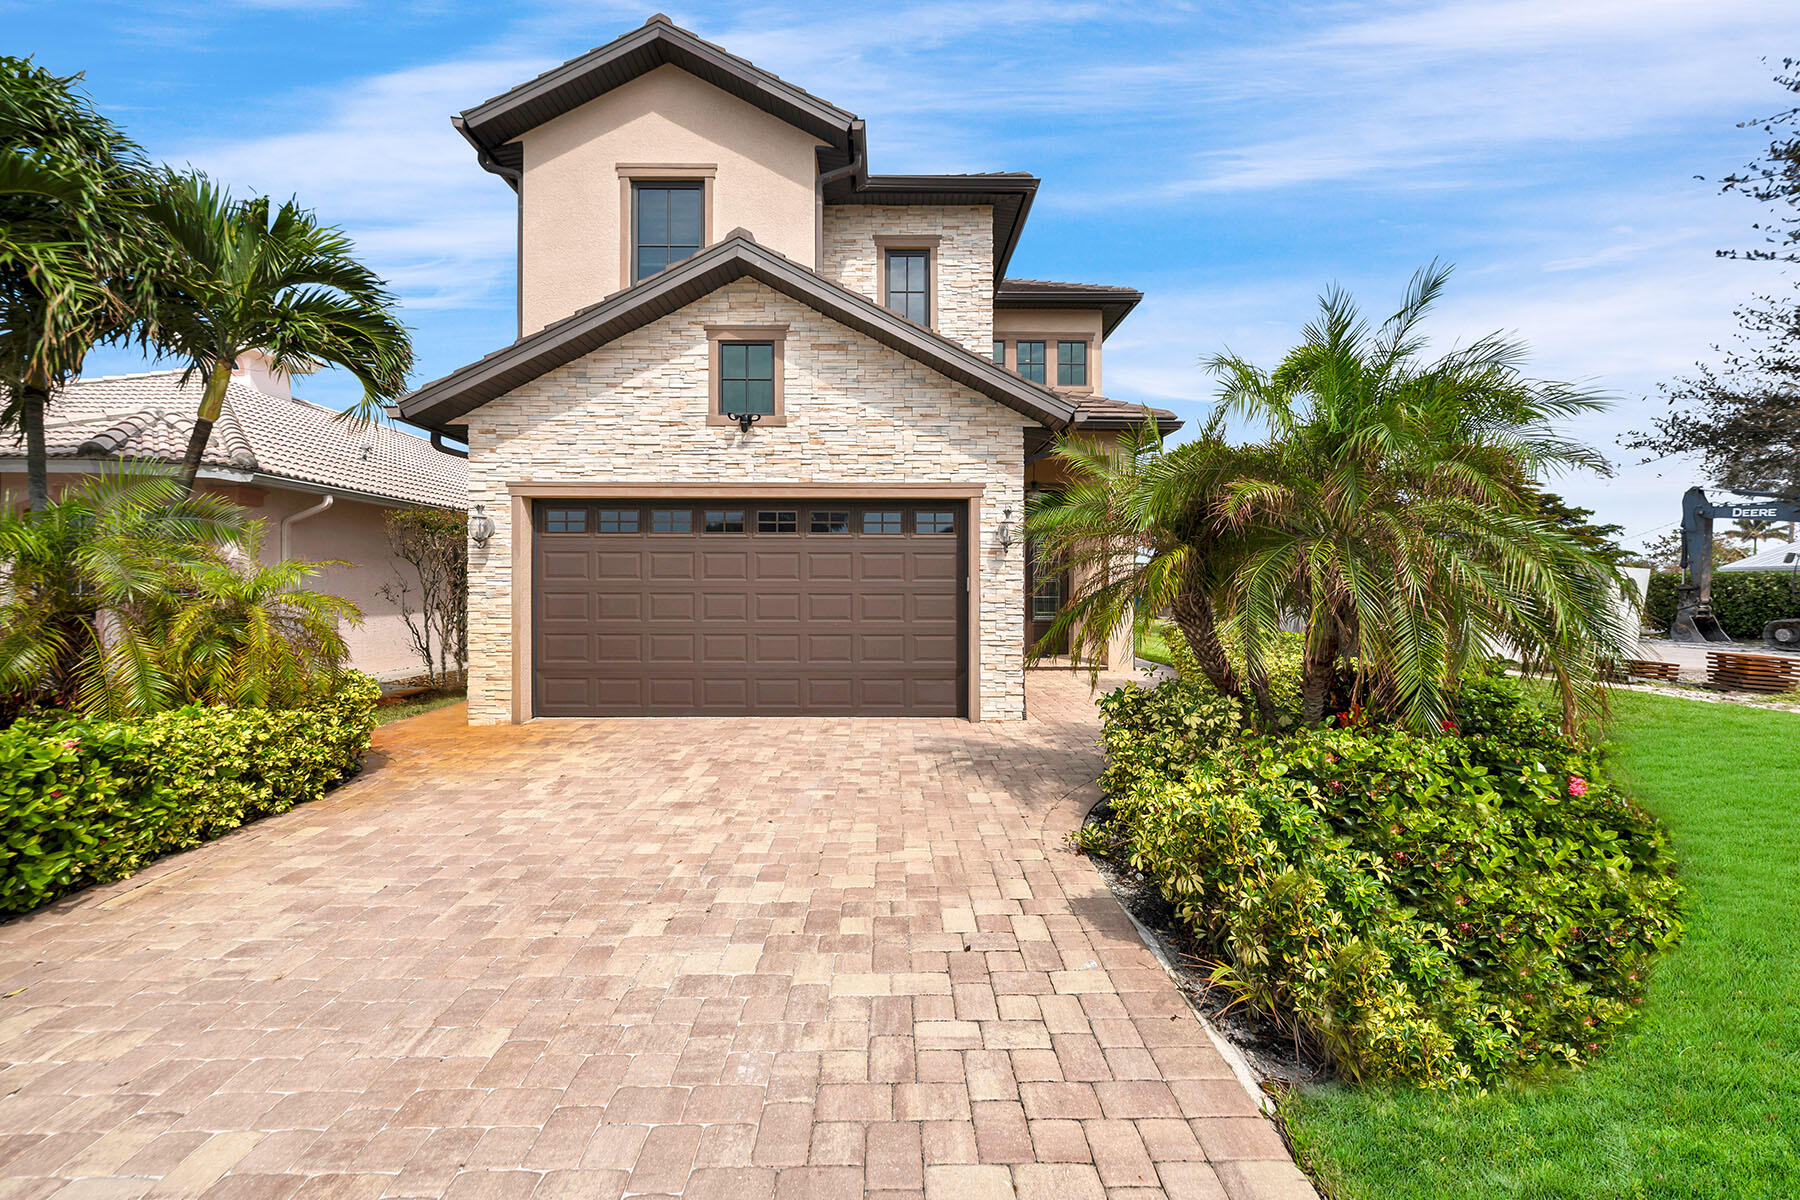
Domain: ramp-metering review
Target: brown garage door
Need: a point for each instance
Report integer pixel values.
(769, 608)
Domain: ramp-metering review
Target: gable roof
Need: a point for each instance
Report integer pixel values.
(150, 415)
(441, 404)
(1114, 303)
(491, 125)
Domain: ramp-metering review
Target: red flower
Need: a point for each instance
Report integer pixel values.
(1447, 725)
(1577, 786)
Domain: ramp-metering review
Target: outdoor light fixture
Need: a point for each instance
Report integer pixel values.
(744, 419)
(481, 526)
(1006, 530)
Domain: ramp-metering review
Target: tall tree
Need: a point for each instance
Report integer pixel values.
(1390, 504)
(75, 250)
(1742, 417)
(249, 275)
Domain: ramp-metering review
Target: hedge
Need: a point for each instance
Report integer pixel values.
(1442, 911)
(85, 801)
(1744, 601)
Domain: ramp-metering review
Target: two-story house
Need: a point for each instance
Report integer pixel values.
(764, 441)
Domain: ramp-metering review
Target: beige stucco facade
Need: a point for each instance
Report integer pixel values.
(1050, 325)
(633, 415)
(760, 174)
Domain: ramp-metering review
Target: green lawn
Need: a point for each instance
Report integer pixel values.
(388, 713)
(1703, 1100)
(1153, 641)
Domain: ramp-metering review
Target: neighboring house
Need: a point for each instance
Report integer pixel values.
(322, 487)
(764, 441)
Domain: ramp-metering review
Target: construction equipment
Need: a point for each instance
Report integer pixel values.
(1694, 619)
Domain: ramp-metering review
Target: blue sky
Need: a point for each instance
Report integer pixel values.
(1229, 159)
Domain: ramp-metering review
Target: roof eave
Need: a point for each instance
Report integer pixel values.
(441, 404)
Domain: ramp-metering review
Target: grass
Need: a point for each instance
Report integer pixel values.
(1153, 641)
(1703, 1099)
(388, 713)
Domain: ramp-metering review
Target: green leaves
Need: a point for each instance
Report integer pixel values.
(1442, 910)
(84, 801)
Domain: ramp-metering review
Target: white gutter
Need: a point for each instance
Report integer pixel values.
(292, 519)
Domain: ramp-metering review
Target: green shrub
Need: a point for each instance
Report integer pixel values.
(85, 801)
(1443, 910)
(1744, 601)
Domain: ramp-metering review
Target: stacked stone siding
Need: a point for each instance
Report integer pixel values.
(964, 261)
(634, 412)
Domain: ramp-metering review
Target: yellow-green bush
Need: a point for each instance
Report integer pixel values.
(84, 801)
(1441, 910)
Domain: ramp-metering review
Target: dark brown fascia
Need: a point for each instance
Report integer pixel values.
(492, 124)
(1010, 194)
(1114, 303)
(441, 404)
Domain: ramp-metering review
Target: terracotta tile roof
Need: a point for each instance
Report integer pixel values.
(1103, 412)
(149, 416)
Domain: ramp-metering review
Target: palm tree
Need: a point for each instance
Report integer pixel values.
(1135, 527)
(251, 276)
(87, 579)
(1389, 504)
(74, 247)
(248, 635)
(1755, 532)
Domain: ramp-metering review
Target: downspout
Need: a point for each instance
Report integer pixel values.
(437, 443)
(293, 519)
(859, 161)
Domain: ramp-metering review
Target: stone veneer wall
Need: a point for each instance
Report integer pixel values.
(634, 412)
(964, 260)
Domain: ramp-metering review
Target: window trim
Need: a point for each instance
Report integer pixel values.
(631, 174)
(915, 242)
(774, 334)
(1087, 372)
(1051, 338)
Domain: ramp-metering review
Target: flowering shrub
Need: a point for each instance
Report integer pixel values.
(1444, 910)
(85, 801)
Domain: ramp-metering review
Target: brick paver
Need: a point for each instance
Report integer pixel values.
(737, 958)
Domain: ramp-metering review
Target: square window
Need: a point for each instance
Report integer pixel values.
(1030, 360)
(722, 520)
(778, 521)
(565, 520)
(1071, 364)
(936, 522)
(667, 224)
(746, 378)
(908, 289)
(671, 520)
(616, 520)
(830, 522)
(881, 522)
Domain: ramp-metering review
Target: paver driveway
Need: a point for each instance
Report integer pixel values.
(739, 958)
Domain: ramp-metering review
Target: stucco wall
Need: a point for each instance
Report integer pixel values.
(349, 532)
(572, 222)
(1027, 323)
(634, 412)
(963, 261)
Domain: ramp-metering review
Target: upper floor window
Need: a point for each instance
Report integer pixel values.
(909, 285)
(1029, 360)
(746, 378)
(1071, 364)
(667, 224)
(999, 353)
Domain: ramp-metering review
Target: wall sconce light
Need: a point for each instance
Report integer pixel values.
(481, 526)
(744, 419)
(1006, 530)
